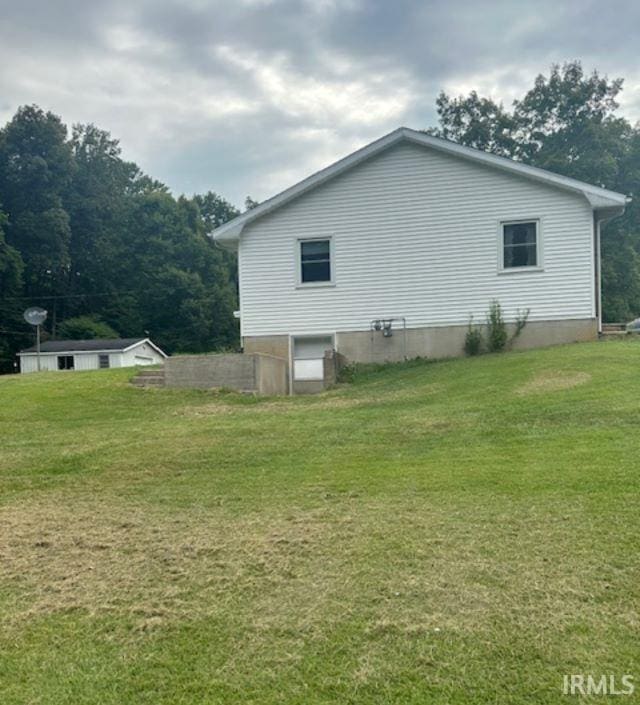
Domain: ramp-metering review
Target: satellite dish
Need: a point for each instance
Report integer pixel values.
(35, 316)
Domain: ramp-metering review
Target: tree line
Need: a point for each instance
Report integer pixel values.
(108, 250)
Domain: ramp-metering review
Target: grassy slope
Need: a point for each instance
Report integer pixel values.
(454, 532)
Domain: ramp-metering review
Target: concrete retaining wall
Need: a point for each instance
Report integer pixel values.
(436, 342)
(256, 373)
(272, 375)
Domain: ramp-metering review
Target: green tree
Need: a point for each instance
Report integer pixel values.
(11, 324)
(178, 280)
(476, 122)
(85, 328)
(36, 165)
(214, 210)
(99, 243)
(97, 200)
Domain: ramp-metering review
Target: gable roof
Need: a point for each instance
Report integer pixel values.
(94, 345)
(608, 202)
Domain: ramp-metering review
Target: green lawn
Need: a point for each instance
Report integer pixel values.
(452, 532)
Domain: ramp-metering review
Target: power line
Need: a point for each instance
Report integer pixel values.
(67, 296)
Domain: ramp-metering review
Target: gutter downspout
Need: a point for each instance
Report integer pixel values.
(598, 270)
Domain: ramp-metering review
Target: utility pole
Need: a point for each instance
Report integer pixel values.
(36, 316)
(38, 345)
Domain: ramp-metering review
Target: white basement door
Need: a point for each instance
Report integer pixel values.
(308, 356)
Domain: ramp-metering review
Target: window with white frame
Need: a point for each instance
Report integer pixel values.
(520, 244)
(315, 261)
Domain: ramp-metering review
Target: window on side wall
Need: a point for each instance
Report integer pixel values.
(65, 362)
(520, 245)
(103, 361)
(315, 263)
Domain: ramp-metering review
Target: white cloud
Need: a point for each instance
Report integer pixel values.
(249, 97)
(363, 98)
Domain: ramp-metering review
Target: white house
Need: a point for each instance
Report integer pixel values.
(390, 251)
(91, 354)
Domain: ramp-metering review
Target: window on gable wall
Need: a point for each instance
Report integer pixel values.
(520, 245)
(315, 261)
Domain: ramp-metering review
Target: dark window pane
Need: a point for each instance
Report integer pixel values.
(520, 234)
(520, 245)
(65, 362)
(314, 250)
(315, 264)
(316, 272)
(520, 256)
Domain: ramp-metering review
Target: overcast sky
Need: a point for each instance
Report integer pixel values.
(248, 96)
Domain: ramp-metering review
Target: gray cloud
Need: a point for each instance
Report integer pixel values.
(247, 97)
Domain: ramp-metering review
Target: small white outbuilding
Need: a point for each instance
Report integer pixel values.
(91, 354)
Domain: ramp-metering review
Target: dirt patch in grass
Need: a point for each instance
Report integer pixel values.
(212, 409)
(553, 381)
(334, 400)
(103, 558)
(299, 569)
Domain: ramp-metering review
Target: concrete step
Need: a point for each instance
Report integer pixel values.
(149, 378)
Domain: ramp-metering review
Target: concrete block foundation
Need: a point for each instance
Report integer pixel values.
(448, 341)
(432, 342)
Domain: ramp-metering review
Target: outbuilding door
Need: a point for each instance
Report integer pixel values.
(308, 357)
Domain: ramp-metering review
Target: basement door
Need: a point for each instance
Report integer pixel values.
(308, 357)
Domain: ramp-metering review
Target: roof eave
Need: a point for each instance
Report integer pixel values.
(149, 342)
(230, 232)
(609, 212)
(599, 198)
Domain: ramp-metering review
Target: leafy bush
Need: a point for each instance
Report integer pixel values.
(473, 341)
(521, 321)
(85, 328)
(497, 335)
(347, 374)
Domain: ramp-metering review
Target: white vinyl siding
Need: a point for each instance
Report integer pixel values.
(414, 234)
(142, 354)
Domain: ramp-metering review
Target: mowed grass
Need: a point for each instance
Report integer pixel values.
(449, 532)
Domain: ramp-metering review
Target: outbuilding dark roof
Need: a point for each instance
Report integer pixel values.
(62, 346)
